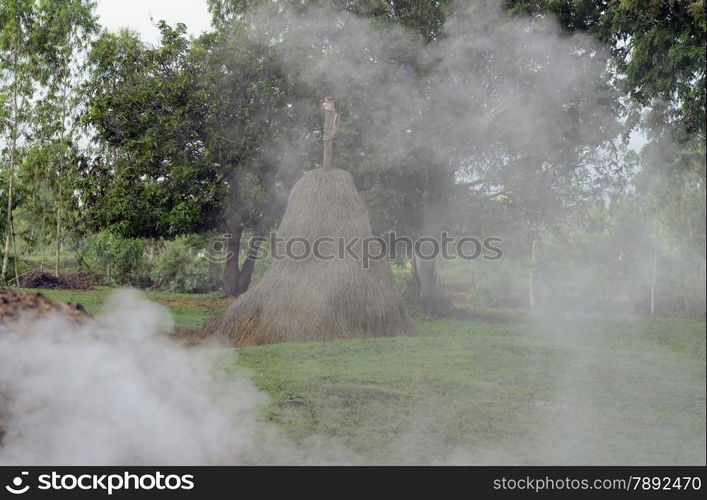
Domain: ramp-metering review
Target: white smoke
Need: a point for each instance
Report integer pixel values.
(118, 392)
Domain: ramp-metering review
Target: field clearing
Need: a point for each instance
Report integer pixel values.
(511, 388)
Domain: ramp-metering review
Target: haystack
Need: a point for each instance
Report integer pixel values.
(313, 299)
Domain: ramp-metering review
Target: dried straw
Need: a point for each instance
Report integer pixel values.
(314, 299)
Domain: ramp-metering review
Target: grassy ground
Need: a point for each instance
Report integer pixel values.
(502, 388)
(568, 390)
(188, 310)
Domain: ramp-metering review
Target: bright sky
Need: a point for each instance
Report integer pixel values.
(135, 14)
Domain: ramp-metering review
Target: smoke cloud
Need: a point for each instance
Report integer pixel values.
(511, 93)
(498, 99)
(118, 392)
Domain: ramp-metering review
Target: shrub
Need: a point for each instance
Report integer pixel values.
(122, 259)
(180, 267)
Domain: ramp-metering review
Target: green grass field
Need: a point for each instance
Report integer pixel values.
(188, 310)
(509, 388)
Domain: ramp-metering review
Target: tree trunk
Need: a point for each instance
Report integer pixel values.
(425, 286)
(8, 227)
(655, 269)
(246, 274)
(60, 177)
(14, 251)
(232, 272)
(532, 293)
(426, 290)
(237, 278)
(10, 183)
(57, 261)
(427, 274)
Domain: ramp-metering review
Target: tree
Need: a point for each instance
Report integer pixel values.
(183, 128)
(671, 187)
(658, 47)
(66, 27)
(425, 17)
(479, 111)
(18, 37)
(151, 178)
(248, 98)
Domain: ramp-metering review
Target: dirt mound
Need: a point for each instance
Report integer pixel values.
(16, 305)
(18, 309)
(65, 281)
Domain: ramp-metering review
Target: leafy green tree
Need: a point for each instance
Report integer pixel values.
(18, 52)
(150, 179)
(248, 109)
(66, 28)
(658, 47)
(425, 17)
(183, 128)
(34, 200)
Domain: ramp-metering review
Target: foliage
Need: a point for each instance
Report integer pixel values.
(181, 268)
(122, 259)
(152, 178)
(427, 17)
(658, 47)
(66, 28)
(183, 130)
(205, 134)
(18, 71)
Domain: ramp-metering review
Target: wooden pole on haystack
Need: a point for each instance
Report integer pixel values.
(331, 121)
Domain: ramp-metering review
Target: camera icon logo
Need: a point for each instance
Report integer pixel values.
(218, 251)
(16, 488)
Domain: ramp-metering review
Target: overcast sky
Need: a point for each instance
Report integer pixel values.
(135, 14)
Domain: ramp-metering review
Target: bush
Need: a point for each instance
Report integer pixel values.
(181, 268)
(122, 259)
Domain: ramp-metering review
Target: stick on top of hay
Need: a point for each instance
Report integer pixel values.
(331, 122)
(327, 296)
